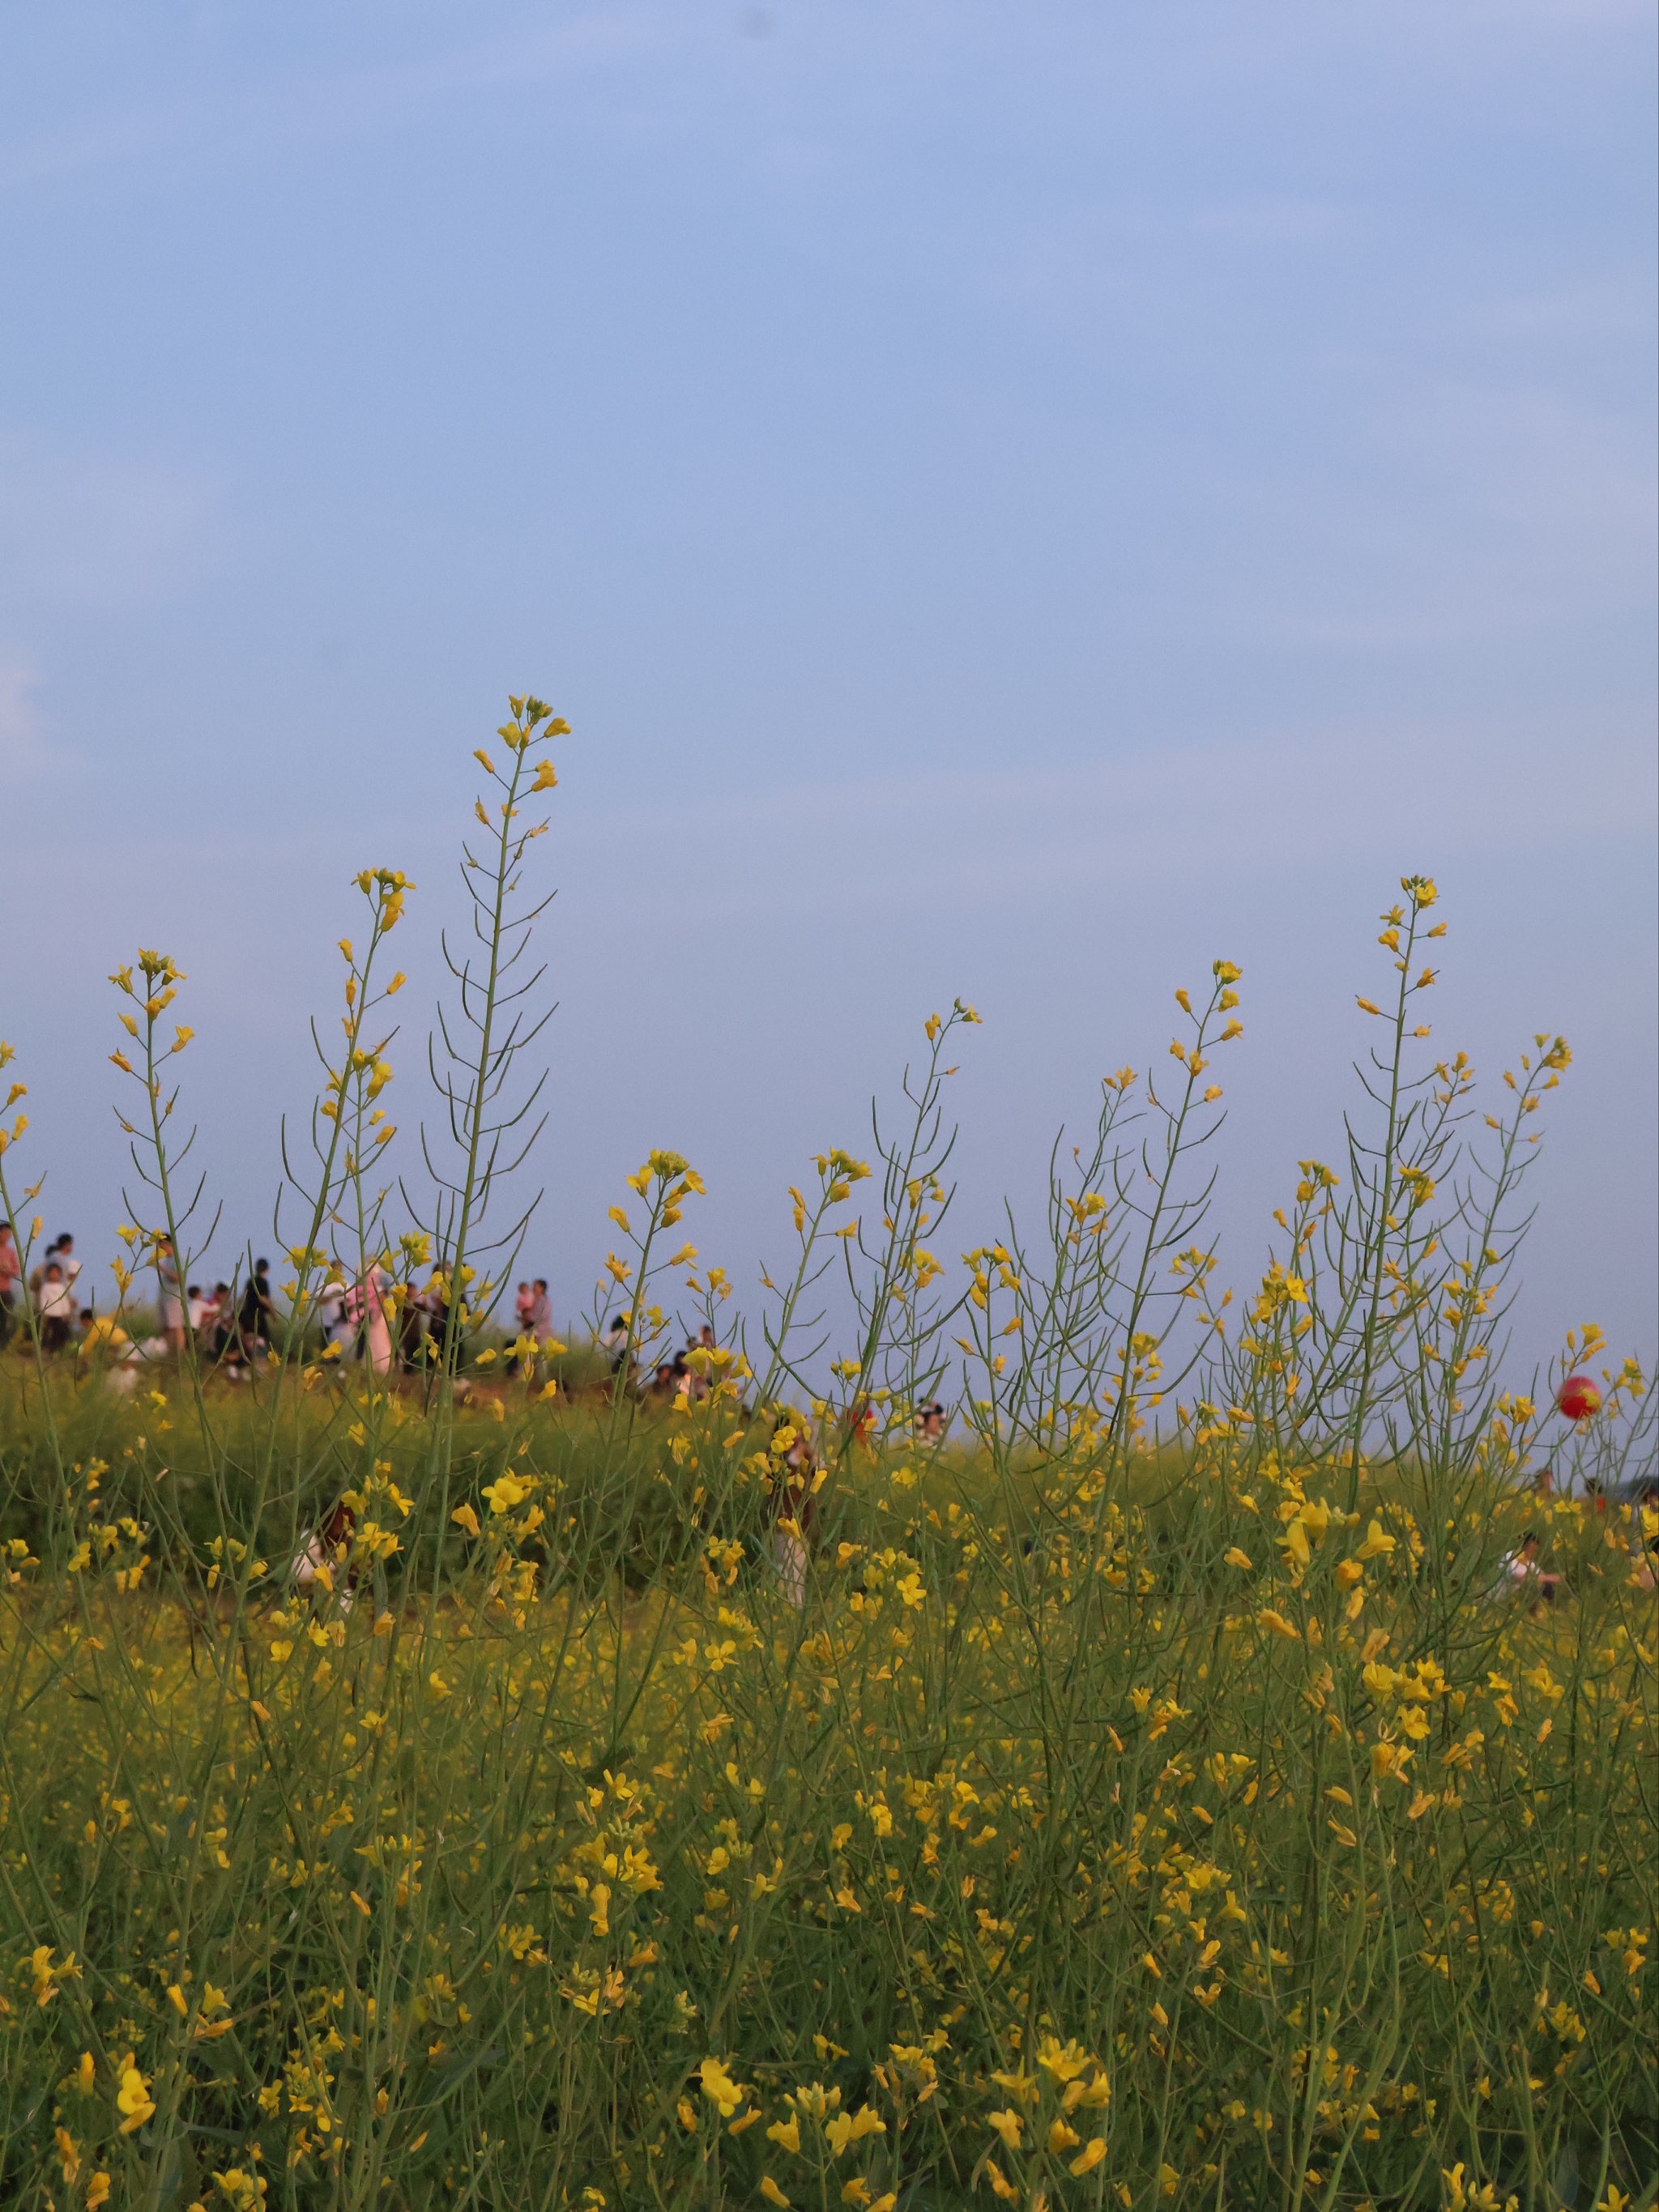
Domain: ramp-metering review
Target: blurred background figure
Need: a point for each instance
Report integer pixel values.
(11, 1269)
(256, 1316)
(929, 1424)
(170, 1296)
(55, 1305)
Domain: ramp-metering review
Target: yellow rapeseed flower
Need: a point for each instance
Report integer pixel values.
(133, 2096)
(718, 2086)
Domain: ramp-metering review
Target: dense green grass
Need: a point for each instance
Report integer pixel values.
(488, 1866)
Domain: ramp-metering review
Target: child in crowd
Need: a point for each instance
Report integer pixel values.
(57, 1308)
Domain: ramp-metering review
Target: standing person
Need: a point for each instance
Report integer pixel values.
(435, 1303)
(351, 1322)
(170, 1295)
(377, 1329)
(693, 1371)
(533, 1311)
(794, 1499)
(11, 1269)
(56, 1306)
(196, 1311)
(258, 1312)
(330, 1309)
(411, 1324)
(522, 1363)
(217, 1320)
(38, 1272)
(61, 1250)
(619, 1349)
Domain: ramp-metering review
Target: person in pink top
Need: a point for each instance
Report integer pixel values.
(11, 1272)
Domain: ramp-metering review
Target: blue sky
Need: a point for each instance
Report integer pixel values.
(1015, 501)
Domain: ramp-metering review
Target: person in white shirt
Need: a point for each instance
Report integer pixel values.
(329, 1312)
(56, 1306)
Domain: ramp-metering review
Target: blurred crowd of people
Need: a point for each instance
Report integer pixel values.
(224, 1326)
(51, 1290)
(368, 1317)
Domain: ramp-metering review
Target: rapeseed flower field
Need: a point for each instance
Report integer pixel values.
(1219, 1773)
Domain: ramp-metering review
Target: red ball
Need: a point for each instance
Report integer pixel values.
(1579, 1398)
